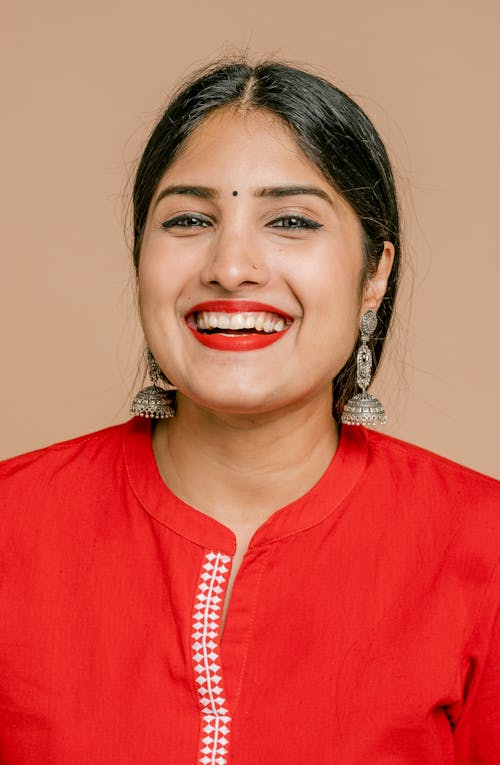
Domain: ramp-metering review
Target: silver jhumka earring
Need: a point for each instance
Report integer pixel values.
(155, 401)
(363, 408)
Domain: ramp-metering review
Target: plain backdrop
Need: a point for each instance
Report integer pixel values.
(81, 87)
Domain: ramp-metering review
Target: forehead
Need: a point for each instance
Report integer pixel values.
(244, 143)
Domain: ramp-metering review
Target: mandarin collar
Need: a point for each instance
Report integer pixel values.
(342, 474)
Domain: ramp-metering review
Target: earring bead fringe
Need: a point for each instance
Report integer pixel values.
(155, 401)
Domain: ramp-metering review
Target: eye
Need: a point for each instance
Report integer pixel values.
(292, 222)
(186, 221)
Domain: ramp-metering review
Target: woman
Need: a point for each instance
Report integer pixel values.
(246, 578)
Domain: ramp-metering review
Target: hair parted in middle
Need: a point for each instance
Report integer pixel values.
(332, 131)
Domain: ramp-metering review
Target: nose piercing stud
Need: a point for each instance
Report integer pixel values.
(235, 193)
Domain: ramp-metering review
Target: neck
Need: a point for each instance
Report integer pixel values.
(241, 468)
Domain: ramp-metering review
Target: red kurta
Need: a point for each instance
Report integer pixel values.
(363, 625)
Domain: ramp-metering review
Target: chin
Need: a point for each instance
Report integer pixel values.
(230, 401)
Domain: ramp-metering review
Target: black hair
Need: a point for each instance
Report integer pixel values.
(333, 132)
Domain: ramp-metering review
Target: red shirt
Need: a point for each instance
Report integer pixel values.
(363, 625)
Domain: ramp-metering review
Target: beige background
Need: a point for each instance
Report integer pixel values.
(82, 84)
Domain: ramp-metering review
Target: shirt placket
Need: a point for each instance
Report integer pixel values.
(215, 727)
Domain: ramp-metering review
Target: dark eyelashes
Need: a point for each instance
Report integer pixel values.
(296, 219)
(290, 222)
(185, 221)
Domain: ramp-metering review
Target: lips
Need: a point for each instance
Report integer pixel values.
(237, 325)
(237, 306)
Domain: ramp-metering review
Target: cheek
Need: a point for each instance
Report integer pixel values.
(331, 298)
(157, 280)
(331, 287)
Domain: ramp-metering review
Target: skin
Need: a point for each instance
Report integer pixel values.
(261, 420)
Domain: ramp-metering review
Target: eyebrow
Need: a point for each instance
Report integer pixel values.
(203, 192)
(272, 192)
(277, 192)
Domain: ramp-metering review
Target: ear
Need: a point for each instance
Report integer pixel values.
(376, 285)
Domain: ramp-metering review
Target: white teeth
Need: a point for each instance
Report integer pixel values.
(237, 321)
(262, 322)
(259, 323)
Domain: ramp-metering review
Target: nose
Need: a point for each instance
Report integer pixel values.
(233, 262)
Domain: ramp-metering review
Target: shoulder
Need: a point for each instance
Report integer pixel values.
(438, 489)
(68, 461)
(427, 505)
(405, 460)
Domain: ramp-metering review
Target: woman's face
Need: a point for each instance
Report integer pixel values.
(250, 270)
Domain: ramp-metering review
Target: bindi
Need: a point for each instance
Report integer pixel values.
(235, 193)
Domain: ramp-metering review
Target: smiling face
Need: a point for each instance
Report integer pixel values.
(250, 301)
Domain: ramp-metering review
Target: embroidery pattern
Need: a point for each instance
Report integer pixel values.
(215, 720)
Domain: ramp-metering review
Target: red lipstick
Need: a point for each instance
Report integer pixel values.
(231, 340)
(226, 342)
(236, 306)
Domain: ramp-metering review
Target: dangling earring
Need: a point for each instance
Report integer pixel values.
(363, 408)
(155, 401)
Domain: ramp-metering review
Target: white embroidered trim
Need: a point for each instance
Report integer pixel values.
(215, 720)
